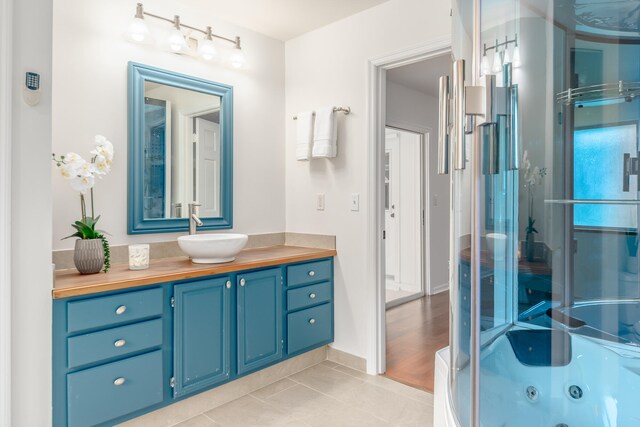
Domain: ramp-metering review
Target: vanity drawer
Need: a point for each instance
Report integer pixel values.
(112, 310)
(309, 327)
(309, 272)
(308, 296)
(110, 391)
(97, 346)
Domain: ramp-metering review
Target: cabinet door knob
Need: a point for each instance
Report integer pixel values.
(242, 282)
(312, 296)
(228, 284)
(120, 310)
(312, 273)
(120, 343)
(119, 381)
(312, 321)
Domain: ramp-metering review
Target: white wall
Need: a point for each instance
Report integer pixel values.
(328, 66)
(90, 96)
(31, 219)
(410, 109)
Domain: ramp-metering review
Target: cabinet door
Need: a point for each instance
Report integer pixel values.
(201, 334)
(259, 319)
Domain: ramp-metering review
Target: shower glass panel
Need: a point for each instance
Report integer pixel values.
(556, 289)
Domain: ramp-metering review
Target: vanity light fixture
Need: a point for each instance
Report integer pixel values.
(138, 30)
(176, 39)
(501, 57)
(206, 48)
(178, 43)
(485, 67)
(237, 58)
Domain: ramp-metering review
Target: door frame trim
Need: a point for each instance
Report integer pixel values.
(6, 67)
(376, 121)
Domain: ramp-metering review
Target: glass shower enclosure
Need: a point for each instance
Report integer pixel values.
(539, 133)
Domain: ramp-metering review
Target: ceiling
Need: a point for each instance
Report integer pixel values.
(283, 19)
(422, 76)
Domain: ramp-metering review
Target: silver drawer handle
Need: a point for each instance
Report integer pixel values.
(312, 273)
(228, 284)
(312, 296)
(120, 343)
(120, 310)
(312, 321)
(242, 282)
(119, 381)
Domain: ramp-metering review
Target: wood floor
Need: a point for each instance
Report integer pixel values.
(415, 331)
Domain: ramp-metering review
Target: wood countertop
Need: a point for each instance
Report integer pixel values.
(70, 283)
(537, 267)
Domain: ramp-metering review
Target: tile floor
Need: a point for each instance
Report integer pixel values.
(327, 394)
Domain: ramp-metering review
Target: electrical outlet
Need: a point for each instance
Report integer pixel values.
(435, 200)
(355, 202)
(320, 201)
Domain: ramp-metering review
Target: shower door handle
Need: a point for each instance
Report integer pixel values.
(443, 126)
(459, 116)
(629, 167)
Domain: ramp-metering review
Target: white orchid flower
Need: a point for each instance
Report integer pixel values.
(68, 171)
(73, 159)
(102, 165)
(104, 150)
(100, 140)
(82, 183)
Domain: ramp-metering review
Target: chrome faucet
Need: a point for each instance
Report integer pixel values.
(194, 221)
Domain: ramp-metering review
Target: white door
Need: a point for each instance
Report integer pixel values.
(208, 170)
(392, 224)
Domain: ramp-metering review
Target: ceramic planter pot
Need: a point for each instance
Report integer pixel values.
(88, 256)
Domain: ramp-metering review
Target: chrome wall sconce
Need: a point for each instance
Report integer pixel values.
(177, 42)
(501, 57)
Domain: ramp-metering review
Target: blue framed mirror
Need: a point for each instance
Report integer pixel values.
(180, 151)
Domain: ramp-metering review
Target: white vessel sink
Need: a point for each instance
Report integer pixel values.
(212, 248)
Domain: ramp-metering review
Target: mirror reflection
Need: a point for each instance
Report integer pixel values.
(181, 152)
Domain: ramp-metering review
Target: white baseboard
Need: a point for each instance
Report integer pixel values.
(439, 288)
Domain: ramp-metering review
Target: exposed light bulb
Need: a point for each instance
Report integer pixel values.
(176, 40)
(485, 67)
(516, 61)
(138, 30)
(237, 58)
(506, 58)
(206, 48)
(497, 63)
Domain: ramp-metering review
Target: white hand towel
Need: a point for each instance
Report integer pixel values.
(325, 133)
(304, 135)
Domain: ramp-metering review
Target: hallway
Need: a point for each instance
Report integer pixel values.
(415, 331)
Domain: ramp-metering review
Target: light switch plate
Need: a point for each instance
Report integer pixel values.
(355, 202)
(320, 201)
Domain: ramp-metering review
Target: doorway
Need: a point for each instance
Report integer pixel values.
(416, 224)
(404, 213)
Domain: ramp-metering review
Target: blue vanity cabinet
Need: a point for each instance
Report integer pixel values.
(259, 317)
(202, 334)
(120, 354)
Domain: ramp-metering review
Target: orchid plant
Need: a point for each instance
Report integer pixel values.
(532, 177)
(82, 175)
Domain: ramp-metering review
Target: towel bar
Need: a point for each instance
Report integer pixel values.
(345, 110)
